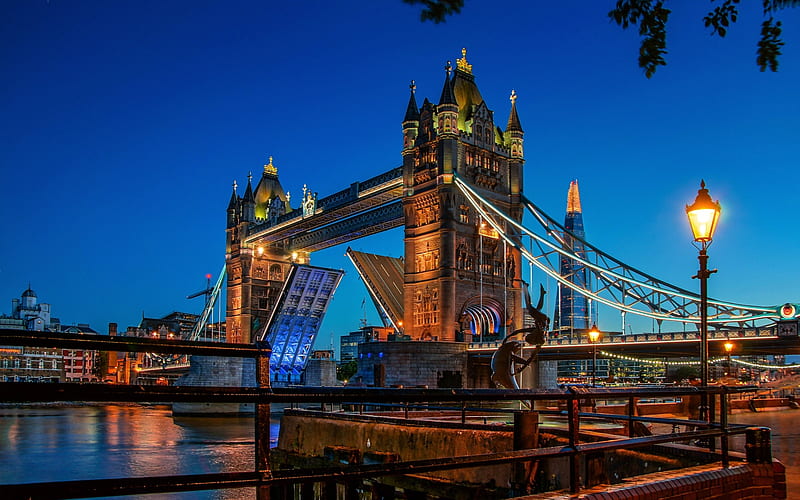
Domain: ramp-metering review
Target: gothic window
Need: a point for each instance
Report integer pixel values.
(259, 272)
(275, 272)
(463, 214)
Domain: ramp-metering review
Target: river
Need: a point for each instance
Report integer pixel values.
(93, 442)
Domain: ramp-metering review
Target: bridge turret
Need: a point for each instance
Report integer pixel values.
(513, 137)
(411, 120)
(447, 110)
(249, 201)
(233, 208)
(513, 134)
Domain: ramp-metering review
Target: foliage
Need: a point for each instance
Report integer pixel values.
(437, 10)
(345, 371)
(683, 373)
(652, 21)
(651, 16)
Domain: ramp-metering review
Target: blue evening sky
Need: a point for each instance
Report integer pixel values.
(124, 123)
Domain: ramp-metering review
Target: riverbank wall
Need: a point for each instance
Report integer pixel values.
(665, 471)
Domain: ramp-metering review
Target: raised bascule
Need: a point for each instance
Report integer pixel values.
(459, 196)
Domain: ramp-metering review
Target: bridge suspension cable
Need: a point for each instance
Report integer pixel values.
(620, 286)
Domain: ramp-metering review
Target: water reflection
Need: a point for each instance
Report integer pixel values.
(93, 442)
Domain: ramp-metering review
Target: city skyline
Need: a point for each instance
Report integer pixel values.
(128, 124)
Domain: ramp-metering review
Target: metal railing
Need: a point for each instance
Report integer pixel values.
(264, 478)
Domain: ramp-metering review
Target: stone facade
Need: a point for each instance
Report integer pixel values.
(408, 364)
(461, 278)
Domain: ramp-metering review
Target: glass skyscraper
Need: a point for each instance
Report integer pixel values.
(573, 310)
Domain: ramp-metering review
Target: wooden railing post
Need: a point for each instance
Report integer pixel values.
(573, 423)
(758, 445)
(723, 420)
(526, 436)
(262, 419)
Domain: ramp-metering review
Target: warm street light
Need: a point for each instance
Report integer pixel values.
(728, 348)
(594, 336)
(703, 216)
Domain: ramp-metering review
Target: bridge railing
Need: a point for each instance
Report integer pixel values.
(265, 479)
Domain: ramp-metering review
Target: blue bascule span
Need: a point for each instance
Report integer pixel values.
(619, 285)
(296, 319)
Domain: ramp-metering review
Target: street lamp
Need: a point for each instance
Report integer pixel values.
(594, 336)
(703, 216)
(728, 348)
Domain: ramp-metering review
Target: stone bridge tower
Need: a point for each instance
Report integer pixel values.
(255, 274)
(461, 280)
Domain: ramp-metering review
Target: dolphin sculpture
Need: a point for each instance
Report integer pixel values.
(506, 361)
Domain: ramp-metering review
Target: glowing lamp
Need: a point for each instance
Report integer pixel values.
(594, 334)
(728, 346)
(703, 215)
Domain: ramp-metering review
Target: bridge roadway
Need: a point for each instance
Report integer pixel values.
(364, 208)
(749, 342)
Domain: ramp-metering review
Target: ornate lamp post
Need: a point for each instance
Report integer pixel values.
(594, 336)
(703, 216)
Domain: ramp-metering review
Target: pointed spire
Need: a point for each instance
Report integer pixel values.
(248, 193)
(447, 91)
(513, 118)
(412, 112)
(234, 198)
(573, 198)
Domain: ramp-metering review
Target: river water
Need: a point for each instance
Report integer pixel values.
(94, 442)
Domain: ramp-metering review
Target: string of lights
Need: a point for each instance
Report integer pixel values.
(652, 361)
(766, 367)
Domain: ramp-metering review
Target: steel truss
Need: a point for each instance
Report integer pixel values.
(618, 285)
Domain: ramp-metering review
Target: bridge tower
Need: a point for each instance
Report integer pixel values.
(255, 273)
(461, 280)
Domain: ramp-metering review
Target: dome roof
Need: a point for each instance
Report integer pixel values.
(268, 188)
(29, 293)
(466, 92)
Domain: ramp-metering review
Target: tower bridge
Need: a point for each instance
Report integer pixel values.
(468, 227)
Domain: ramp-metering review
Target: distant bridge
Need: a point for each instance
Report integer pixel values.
(747, 342)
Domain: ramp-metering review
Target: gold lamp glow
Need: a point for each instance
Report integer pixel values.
(703, 215)
(594, 334)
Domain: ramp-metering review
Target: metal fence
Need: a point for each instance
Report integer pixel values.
(570, 401)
